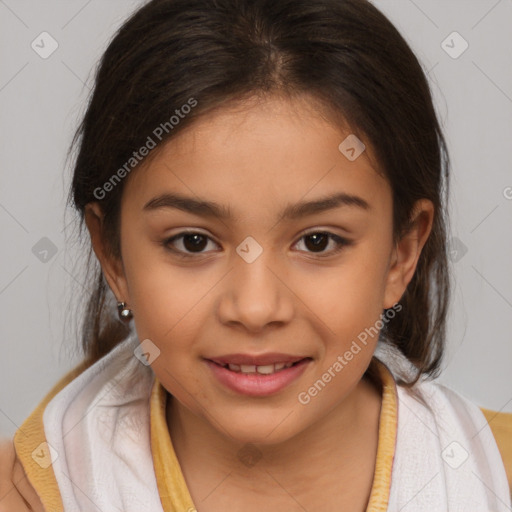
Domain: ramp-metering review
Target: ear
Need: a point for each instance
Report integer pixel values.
(407, 251)
(112, 267)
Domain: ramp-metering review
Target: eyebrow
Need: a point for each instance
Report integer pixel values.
(211, 209)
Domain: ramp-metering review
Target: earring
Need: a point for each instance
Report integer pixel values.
(124, 312)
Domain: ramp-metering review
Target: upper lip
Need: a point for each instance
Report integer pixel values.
(256, 360)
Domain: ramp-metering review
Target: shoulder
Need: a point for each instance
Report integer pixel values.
(17, 495)
(32, 484)
(501, 426)
(452, 411)
(455, 426)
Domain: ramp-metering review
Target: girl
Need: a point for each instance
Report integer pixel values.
(264, 183)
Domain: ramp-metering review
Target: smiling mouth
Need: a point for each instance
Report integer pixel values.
(267, 369)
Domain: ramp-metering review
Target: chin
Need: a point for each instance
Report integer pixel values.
(263, 430)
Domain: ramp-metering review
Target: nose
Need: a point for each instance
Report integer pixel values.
(256, 294)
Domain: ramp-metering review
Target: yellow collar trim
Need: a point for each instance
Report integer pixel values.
(379, 495)
(172, 487)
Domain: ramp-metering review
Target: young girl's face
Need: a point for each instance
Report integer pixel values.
(250, 281)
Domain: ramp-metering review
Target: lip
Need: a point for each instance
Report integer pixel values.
(258, 384)
(256, 359)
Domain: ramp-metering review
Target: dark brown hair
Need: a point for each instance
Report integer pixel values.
(343, 53)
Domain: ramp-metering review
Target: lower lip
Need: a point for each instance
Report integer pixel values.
(257, 384)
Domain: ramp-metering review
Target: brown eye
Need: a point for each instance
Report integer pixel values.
(318, 241)
(194, 242)
(187, 243)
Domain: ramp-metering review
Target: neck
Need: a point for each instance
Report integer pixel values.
(341, 444)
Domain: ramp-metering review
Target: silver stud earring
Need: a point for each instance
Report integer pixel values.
(124, 313)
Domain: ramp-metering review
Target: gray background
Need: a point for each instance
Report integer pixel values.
(41, 101)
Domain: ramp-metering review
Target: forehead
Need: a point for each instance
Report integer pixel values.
(262, 154)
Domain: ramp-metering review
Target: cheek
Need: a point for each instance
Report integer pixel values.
(352, 292)
(167, 306)
(162, 296)
(351, 304)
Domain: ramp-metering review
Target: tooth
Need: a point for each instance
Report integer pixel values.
(265, 370)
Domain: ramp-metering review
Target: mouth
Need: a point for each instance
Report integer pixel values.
(266, 369)
(242, 374)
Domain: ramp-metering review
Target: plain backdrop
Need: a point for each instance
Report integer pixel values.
(42, 99)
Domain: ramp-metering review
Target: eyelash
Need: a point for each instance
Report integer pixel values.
(340, 243)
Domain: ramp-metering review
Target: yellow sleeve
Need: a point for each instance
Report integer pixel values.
(29, 437)
(501, 426)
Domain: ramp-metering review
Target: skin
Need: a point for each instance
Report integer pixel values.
(256, 159)
(16, 493)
